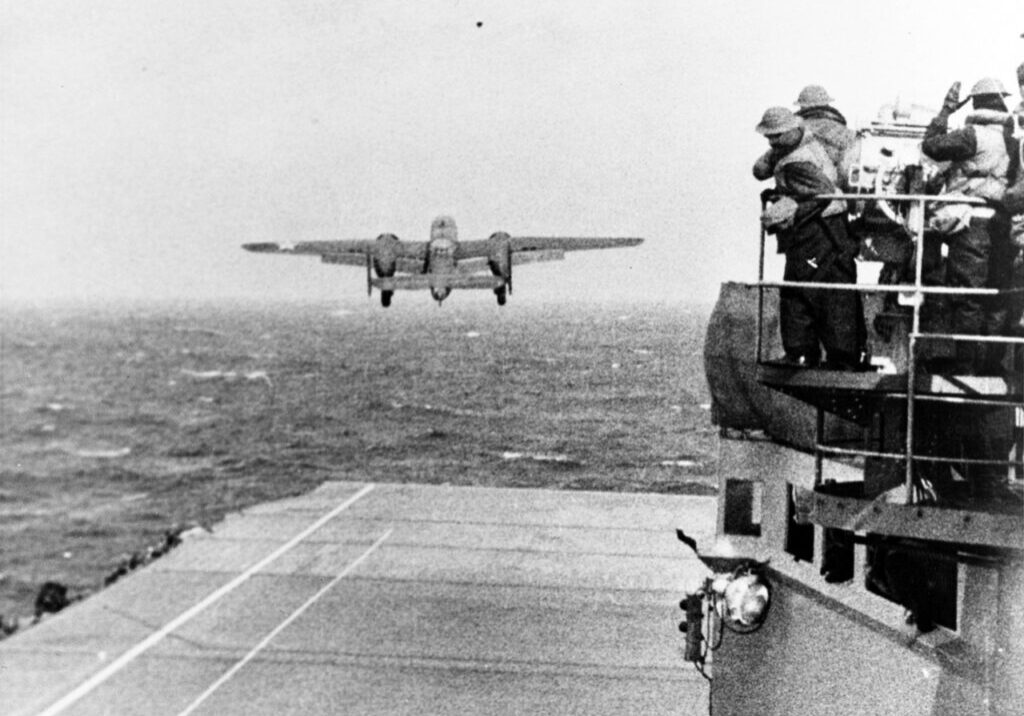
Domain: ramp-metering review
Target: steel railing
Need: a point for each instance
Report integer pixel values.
(912, 295)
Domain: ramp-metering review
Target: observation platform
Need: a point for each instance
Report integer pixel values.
(981, 522)
(855, 396)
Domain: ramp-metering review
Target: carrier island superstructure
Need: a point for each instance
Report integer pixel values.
(886, 598)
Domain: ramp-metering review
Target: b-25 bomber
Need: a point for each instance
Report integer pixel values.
(443, 262)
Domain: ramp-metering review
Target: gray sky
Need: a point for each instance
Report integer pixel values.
(142, 142)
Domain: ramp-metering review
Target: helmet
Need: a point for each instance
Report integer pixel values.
(813, 96)
(988, 85)
(778, 120)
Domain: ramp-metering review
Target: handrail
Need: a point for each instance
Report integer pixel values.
(852, 452)
(889, 288)
(915, 293)
(969, 337)
(939, 198)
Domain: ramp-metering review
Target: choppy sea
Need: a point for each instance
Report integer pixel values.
(118, 423)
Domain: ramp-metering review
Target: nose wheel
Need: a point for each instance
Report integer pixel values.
(385, 298)
(502, 295)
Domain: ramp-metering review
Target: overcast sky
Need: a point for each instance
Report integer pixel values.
(143, 141)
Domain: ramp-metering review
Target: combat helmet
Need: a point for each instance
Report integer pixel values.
(813, 96)
(988, 85)
(778, 120)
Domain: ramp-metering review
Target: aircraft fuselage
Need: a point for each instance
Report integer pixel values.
(444, 239)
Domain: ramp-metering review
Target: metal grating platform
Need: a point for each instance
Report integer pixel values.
(1002, 527)
(856, 396)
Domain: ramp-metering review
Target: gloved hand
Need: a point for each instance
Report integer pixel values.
(779, 215)
(769, 195)
(952, 102)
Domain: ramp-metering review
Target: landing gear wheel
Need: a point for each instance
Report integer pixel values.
(385, 298)
(502, 295)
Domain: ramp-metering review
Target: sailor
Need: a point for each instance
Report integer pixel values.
(980, 255)
(978, 237)
(1014, 201)
(1018, 111)
(826, 123)
(813, 236)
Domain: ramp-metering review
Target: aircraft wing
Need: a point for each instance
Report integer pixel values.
(546, 248)
(532, 257)
(346, 259)
(320, 248)
(344, 251)
(568, 243)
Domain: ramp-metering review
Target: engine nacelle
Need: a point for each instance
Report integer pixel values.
(500, 259)
(385, 255)
(500, 254)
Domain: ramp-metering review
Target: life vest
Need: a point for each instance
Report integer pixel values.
(985, 174)
(828, 126)
(811, 151)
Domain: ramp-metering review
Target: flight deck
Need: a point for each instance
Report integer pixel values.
(387, 599)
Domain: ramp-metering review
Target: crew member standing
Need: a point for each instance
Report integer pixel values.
(1014, 201)
(1018, 112)
(826, 123)
(979, 256)
(813, 236)
(978, 237)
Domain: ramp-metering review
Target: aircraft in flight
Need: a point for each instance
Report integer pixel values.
(442, 263)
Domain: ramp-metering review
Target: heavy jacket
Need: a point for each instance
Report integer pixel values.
(818, 249)
(806, 170)
(801, 173)
(979, 153)
(1014, 197)
(829, 126)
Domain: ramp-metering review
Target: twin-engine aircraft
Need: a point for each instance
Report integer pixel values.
(443, 262)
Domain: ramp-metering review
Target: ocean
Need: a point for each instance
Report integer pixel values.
(120, 423)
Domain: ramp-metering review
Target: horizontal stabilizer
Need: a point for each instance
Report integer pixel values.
(488, 282)
(422, 281)
(409, 265)
(401, 283)
(348, 259)
(470, 266)
(530, 257)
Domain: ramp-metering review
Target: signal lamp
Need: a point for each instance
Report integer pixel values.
(744, 598)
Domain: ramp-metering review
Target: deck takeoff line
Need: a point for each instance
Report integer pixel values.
(282, 626)
(115, 666)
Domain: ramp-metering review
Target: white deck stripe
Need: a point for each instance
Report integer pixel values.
(280, 627)
(157, 636)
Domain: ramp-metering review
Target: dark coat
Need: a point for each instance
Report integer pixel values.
(828, 125)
